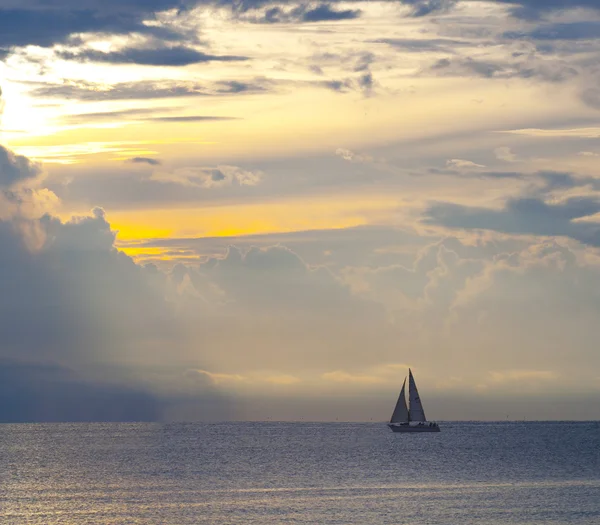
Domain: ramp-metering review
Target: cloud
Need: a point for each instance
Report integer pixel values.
(281, 302)
(463, 164)
(79, 319)
(236, 380)
(526, 216)
(174, 56)
(37, 392)
(533, 10)
(90, 302)
(351, 156)
(125, 187)
(421, 8)
(522, 375)
(2, 104)
(213, 377)
(591, 97)
(116, 115)
(42, 25)
(579, 30)
(140, 114)
(418, 45)
(210, 177)
(145, 160)
(373, 375)
(584, 133)
(553, 180)
(301, 13)
(549, 70)
(16, 168)
(79, 254)
(145, 89)
(323, 13)
(86, 302)
(340, 376)
(283, 379)
(364, 83)
(504, 153)
(20, 191)
(45, 25)
(192, 118)
(336, 85)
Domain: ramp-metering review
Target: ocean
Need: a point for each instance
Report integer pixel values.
(321, 473)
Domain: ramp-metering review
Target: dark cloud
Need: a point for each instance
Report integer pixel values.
(532, 216)
(15, 168)
(52, 24)
(363, 61)
(145, 160)
(532, 67)
(160, 56)
(426, 7)
(468, 66)
(355, 62)
(71, 305)
(337, 85)
(324, 13)
(580, 30)
(135, 114)
(591, 97)
(145, 90)
(42, 23)
(217, 175)
(267, 13)
(541, 182)
(483, 174)
(366, 83)
(535, 9)
(363, 82)
(423, 44)
(501, 175)
(557, 180)
(41, 392)
(143, 114)
(81, 295)
(192, 118)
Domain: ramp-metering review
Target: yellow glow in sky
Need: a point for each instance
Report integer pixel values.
(250, 219)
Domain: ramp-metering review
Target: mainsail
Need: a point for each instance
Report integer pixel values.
(416, 408)
(400, 414)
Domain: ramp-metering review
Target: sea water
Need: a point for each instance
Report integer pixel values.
(322, 473)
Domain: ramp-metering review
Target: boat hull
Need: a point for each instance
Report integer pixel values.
(413, 428)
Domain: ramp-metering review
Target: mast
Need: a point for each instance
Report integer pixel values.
(400, 414)
(416, 412)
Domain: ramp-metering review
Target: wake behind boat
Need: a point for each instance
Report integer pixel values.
(410, 418)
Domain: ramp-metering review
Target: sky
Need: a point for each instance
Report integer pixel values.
(254, 210)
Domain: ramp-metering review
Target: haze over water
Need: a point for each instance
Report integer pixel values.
(263, 473)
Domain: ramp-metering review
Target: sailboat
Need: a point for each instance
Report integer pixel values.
(405, 419)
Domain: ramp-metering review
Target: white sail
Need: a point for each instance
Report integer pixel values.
(416, 412)
(400, 414)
